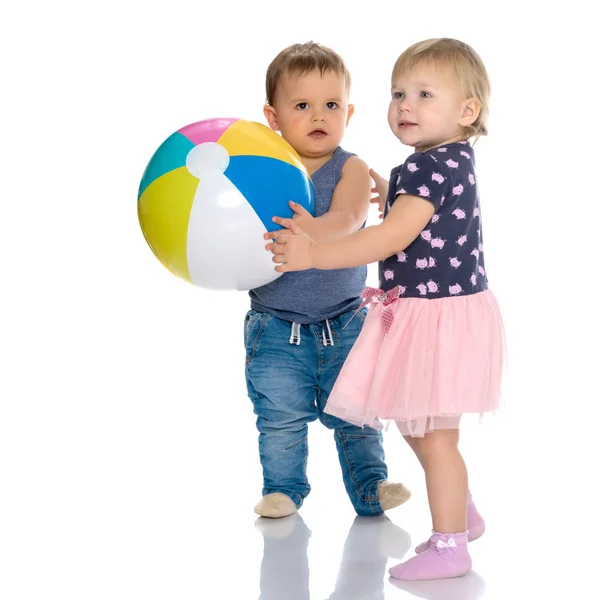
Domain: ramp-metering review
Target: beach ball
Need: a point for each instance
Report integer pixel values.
(208, 195)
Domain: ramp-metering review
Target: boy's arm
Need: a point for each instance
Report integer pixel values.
(347, 212)
(349, 205)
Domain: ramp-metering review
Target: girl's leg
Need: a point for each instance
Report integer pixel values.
(475, 522)
(447, 489)
(446, 479)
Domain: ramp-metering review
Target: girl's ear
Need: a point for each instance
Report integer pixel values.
(470, 111)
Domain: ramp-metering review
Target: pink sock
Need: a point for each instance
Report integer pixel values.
(446, 556)
(475, 526)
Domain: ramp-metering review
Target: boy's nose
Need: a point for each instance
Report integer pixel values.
(318, 117)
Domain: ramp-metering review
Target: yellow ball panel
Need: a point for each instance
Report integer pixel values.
(164, 211)
(256, 139)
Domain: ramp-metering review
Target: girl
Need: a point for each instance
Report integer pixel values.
(432, 347)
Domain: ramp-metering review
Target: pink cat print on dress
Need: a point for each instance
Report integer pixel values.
(476, 212)
(442, 200)
(455, 289)
(412, 167)
(458, 190)
(442, 149)
(432, 286)
(459, 213)
(452, 163)
(481, 270)
(389, 274)
(401, 191)
(426, 235)
(431, 262)
(471, 179)
(422, 263)
(480, 247)
(465, 154)
(475, 253)
(438, 177)
(402, 256)
(474, 279)
(422, 289)
(401, 289)
(435, 218)
(424, 191)
(461, 240)
(437, 243)
(455, 262)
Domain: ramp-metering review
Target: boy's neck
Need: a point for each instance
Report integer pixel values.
(313, 164)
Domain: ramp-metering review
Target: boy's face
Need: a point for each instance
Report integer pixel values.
(311, 111)
(428, 107)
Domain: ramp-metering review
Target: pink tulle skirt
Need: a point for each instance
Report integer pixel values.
(438, 360)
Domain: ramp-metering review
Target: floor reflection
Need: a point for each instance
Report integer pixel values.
(362, 573)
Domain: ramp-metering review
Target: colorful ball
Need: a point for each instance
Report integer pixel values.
(208, 195)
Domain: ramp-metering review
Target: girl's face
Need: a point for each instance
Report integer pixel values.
(428, 107)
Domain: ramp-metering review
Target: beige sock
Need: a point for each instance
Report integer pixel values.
(275, 506)
(392, 494)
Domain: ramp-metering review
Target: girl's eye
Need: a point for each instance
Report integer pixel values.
(425, 95)
(332, 105)
(302, 105)
(397, 95)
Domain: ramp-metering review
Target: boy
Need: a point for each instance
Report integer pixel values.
(300, 328)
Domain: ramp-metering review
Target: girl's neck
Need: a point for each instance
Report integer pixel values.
(457, 138)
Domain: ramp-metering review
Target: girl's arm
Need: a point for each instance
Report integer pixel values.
(405, 221)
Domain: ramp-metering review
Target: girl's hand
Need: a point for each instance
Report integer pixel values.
(381, 189)
(291, 248)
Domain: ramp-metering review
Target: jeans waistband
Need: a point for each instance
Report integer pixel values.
(296, 338)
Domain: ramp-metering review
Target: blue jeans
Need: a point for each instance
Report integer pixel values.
(290, 371)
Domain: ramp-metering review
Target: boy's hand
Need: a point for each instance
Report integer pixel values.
(291, 248)
(381, 189)
(301, 217)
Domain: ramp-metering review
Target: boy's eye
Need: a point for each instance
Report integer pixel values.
(397, 95)
(425, 95)
(332, 105)
(302, 105)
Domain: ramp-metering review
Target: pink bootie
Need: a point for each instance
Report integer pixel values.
(447, 556)
(475, 526)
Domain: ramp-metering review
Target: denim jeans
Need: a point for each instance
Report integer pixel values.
(290, 371)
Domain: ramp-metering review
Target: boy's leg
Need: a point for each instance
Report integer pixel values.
(360, 450)
(283, 396)
(362, 459)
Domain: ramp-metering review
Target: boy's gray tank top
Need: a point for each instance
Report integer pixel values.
(313, 296)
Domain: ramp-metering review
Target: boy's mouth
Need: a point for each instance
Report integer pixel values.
(317, 133)
(406, 124)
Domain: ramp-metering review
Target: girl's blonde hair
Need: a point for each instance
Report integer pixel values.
(465, 64)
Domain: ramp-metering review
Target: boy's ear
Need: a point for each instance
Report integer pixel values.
(271, 116)
(350, 113)
(470, 112)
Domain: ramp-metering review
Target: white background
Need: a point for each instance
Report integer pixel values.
(128, 454)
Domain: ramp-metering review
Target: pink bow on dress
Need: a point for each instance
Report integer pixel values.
(375, 295)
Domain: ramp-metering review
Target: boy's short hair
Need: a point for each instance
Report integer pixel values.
(300, 59)
(466, 66)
